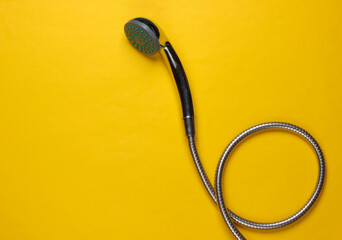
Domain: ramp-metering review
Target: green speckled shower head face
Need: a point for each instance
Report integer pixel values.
(143, 35)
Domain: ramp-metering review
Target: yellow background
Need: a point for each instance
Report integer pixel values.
(92, 143)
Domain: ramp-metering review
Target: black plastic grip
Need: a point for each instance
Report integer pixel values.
(183, 88)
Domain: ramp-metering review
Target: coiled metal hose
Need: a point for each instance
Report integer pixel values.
(217, 195)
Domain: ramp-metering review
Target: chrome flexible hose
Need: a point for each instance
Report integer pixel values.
(217, 195)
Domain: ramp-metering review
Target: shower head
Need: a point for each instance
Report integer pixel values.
(148, 38)
(144, 35)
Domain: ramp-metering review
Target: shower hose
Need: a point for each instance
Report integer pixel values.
(217, 195)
